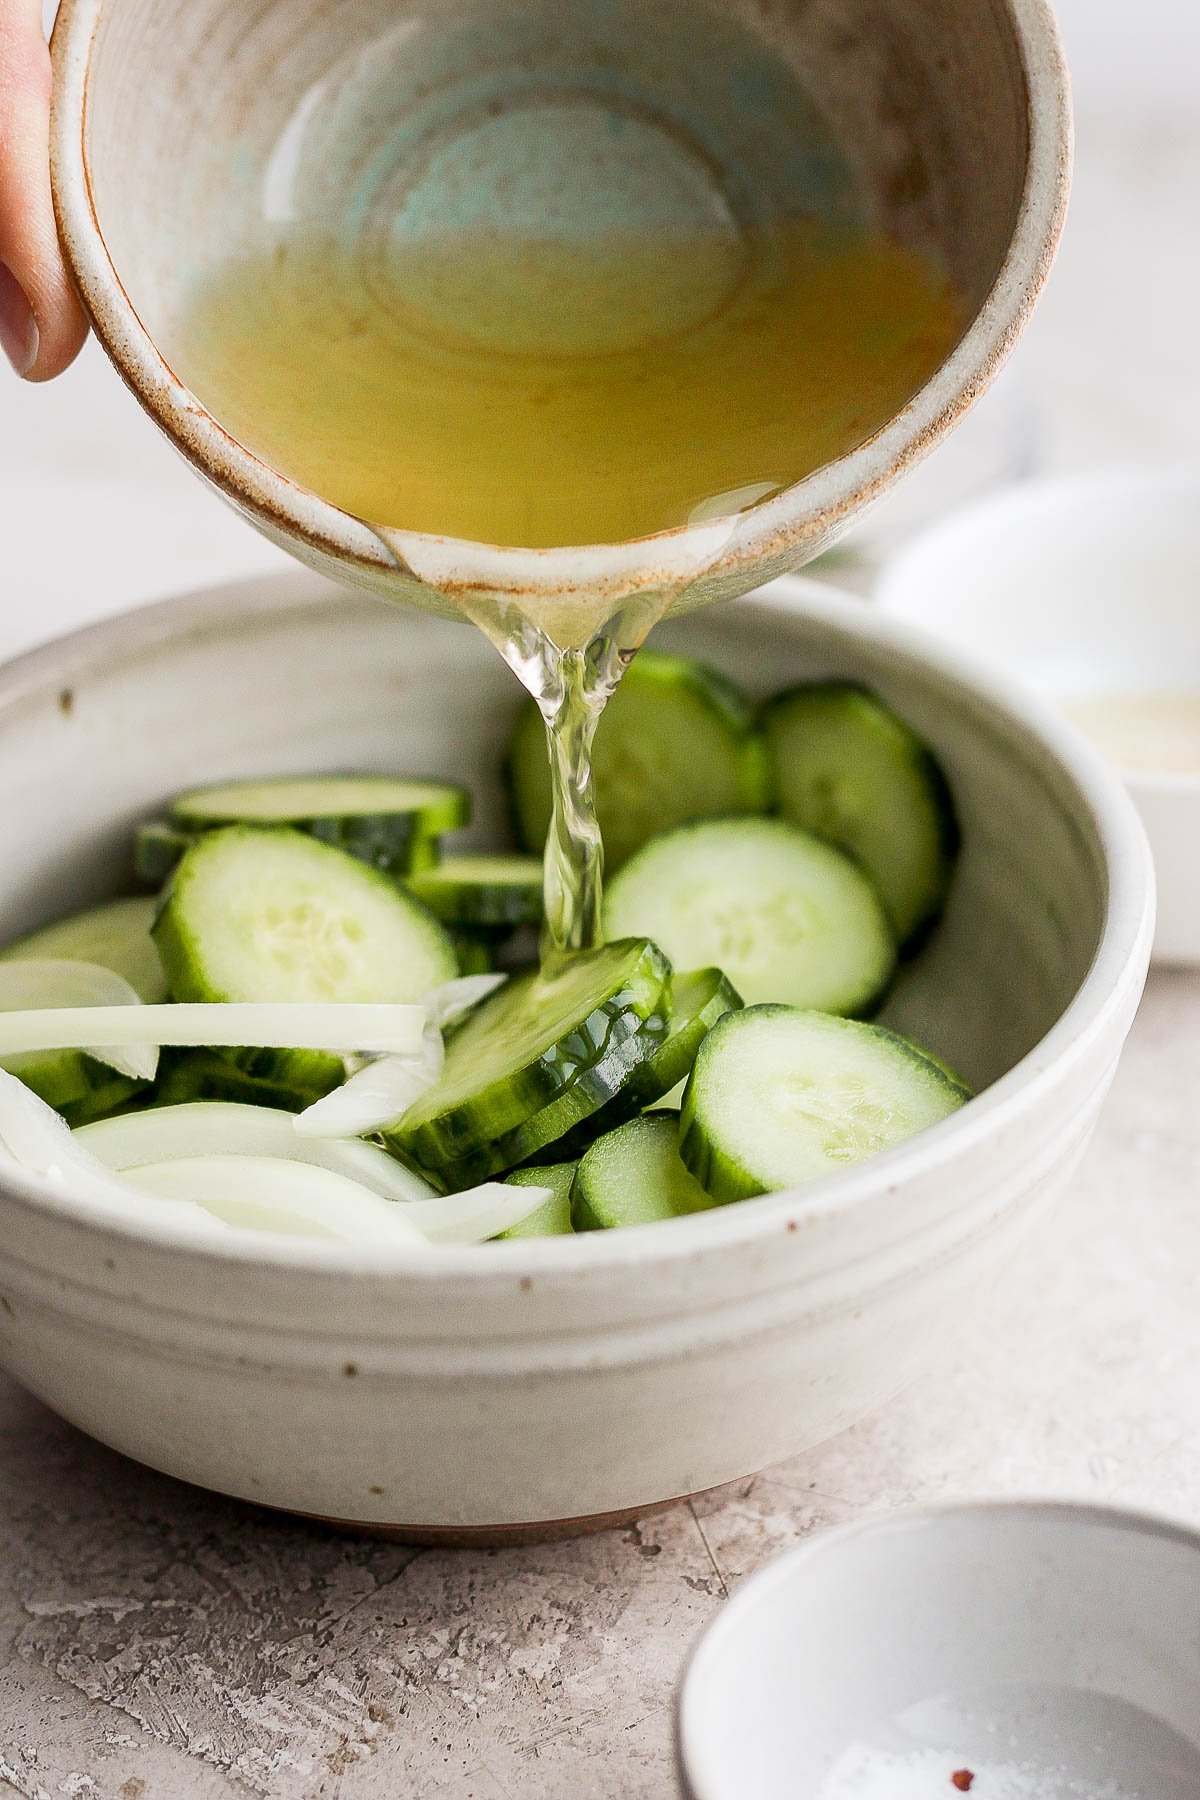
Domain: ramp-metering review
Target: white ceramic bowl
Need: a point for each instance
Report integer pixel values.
(1083, 586)
(1042, 1651)
(525, 1384)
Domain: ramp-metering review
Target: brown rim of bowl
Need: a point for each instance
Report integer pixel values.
(810, 509)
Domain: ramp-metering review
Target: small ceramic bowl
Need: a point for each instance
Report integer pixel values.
(1084, 587)
(1011, 1651)
(543, 1385)
(185, 132)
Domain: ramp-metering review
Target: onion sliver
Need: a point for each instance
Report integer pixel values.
(36, 984)
(227, 1128)
(341, 1027)
(477, 1214)
(38, 1141)
(274, 1193)
(377, 1094)
(453, 998)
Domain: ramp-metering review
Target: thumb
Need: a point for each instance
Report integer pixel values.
(41, 322)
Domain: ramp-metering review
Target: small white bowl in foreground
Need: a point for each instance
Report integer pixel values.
(1018, 1651)
(1084, 587)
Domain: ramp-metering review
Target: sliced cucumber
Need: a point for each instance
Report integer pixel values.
(116, 935)
(786, 916)
(187, 1075)
(380, 819)
(676, 742)
(554, 1218)
(476, 953)
(695, 1004)
(634, 1176)
(537, 1057)
(500, 892)
(268, 914)
(158, 845)
(74, 1084)
(779, 1096)
(845, 767)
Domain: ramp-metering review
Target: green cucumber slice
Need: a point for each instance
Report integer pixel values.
(476, 953)
(256, 913)
(696, 1001)
(554, 1218)
(534, 1059)
(780, 1096)
(634, 1176)
(382, 820)
(116, 935)
(158, 845)
(845, 767)
(187, 1075)
(73, 1083)
(500, 892)
(787, 917)
(677, 741)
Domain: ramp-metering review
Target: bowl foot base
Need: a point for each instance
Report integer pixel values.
(499, 1537)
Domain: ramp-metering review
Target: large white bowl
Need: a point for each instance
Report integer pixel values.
(555, 1382)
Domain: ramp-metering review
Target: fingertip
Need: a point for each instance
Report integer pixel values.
(62, 331)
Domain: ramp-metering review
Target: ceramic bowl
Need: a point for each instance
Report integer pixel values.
(184, 133)
(1012, 1652)
(1083, 586)
(567, 1380)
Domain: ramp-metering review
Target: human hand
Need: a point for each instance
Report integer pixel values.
(41, 322)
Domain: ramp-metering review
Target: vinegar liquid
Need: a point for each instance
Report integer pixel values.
(585, 389)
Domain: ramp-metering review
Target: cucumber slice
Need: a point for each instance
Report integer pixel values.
(189, 1075)
(268, 914)
(695, 1004)
(677, 741)
(476, 953)
(379, 819)
(74, 1084)
(779, 1096)
(116, 935)
(634, 1176)
(786, 916)
(158, 845)
(500, 892)
(554, 1218)
(536, 1058)
(845, 767)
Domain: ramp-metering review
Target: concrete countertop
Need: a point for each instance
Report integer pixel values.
(157, 1643)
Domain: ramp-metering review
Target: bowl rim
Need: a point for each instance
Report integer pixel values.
(816, 506)
(900, 581)
(1111, 985)
(779, 1570)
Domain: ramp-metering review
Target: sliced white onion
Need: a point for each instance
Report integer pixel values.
(377, 1095)
(379, 1028)
(228, 1128)
(36, 1139)
(32, 983)
(477, 1214)
(278, 1194)
(453, 998)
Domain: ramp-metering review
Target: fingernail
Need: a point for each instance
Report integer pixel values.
(18, 327)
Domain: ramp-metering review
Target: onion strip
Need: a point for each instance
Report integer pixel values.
(342, 1027)
(376, 1095)
(229, 1128)
(279, 1194)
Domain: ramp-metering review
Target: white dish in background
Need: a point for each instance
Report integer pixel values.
(554, 1382)
(1032, 1651)
(1083, 587)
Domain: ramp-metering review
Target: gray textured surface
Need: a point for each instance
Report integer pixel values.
(159, 1642)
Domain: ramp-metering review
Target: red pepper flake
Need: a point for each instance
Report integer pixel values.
(963, 1780)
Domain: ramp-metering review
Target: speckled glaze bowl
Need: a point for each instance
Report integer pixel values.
(545, 1385)
(184, 132)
